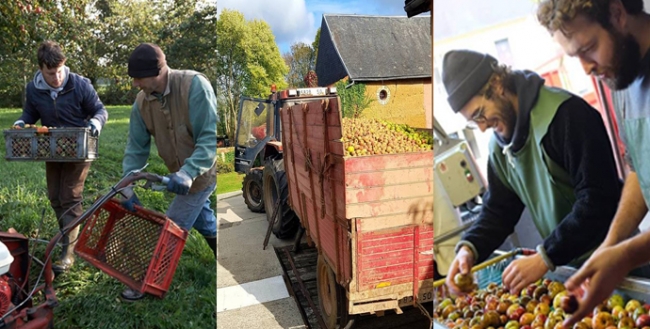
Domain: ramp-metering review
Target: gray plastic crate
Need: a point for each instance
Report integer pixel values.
(58, 145)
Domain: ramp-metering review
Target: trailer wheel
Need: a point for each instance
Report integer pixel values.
(252, 190)
(331, 296)
(276, 186)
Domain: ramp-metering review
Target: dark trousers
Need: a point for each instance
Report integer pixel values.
(65, 185)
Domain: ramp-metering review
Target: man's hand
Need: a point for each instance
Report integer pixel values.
(462, 263)
(179, 182)
(522, 272)
(20, 124)
(596, 279)
(130, 199)
(95, 127)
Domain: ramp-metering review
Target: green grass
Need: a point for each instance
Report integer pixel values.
(229, 182)
(89, 298)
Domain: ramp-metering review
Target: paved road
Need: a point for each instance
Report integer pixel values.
(251, 291)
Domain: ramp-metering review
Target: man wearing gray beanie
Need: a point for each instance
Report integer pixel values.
(549, 153)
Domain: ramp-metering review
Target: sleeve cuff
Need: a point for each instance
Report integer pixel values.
(469, 245)
(542, 252)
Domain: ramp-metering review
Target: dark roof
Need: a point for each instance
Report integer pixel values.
(373, 48)
(462, 16)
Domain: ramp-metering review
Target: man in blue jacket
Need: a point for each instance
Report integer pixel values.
(62, 99)
(179, 109)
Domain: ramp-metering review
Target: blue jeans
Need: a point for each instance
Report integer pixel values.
(193, 210)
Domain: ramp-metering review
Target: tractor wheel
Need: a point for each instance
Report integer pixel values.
(276, 186)
(252, 190)
(331, 296)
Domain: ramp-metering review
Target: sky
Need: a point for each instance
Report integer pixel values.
(298, 20)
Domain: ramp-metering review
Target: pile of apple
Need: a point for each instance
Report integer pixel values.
(372, 137)
(542, 305)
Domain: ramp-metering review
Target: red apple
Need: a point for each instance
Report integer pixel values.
(643, 320)
(569, 303)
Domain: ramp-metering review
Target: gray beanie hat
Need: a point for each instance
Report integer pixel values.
(464, 73)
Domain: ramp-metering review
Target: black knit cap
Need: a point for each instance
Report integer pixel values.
(146, 61)
(464, 73)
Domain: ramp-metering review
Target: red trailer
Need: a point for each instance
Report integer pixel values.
(370, 217)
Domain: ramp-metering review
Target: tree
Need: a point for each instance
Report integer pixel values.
(353, 98)
(248, 63)
(300, 61)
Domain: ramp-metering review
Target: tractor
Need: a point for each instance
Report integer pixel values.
(258, 153)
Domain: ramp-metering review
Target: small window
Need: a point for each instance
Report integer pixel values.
(383, 95)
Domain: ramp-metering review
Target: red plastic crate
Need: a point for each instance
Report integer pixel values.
(140, 249)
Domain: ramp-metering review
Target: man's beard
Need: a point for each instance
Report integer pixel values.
(626, 61)
(507, 115)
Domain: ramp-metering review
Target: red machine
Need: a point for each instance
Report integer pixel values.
(18, 295)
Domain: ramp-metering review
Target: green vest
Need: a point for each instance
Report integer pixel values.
(541, 184)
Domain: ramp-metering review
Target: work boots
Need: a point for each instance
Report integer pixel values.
(212, 242)
(66, 260)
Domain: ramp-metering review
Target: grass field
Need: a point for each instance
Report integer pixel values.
(89, 298)
(229, 182)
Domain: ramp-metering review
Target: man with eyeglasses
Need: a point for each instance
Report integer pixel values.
(550, 153)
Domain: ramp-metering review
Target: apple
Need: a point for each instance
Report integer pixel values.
(587, 321)
(512, 324)
(517, 313)
(468, 314)
(632, 305)
(638, 312)
(647, 307)
(475, 327)
(546, 282)
(643, 320)
(617, 310)
(542, 308)
(475, 321)
(557, 300)
(539, 321)
(524, 300)
(599, 308)
(569, 303)
(453, 316)
(554, 288)
(615, 300)
(444, 303)
(550, 322)
(530, 307)
(463, 281)
(530, 289)
(558, 312)
(503, 306)
(526, 327)
(511, 310)
(539, 292)
(546, 299)
(580, 325)
(602, 320)
(448, 310)
(526, 318)
(503, 319)
(626, 322)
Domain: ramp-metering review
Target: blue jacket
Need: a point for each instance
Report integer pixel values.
(74, 106)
